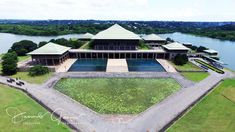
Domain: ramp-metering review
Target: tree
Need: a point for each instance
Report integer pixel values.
(201, 49)
(23, 47)
(42, 43)
(9, 63)
(74, 44)
(38, 70)
(180, 59)
(170, 40)
(194, 48)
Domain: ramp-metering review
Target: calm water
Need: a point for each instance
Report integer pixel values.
(226, 49)
(7, 39)
(144, 65)
(89, 65)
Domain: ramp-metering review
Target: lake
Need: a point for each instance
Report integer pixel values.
(226, 49)
(7, 39)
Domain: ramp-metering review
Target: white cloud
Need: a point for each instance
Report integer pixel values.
(117, 9)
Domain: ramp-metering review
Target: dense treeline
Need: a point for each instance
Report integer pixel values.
(225, 32)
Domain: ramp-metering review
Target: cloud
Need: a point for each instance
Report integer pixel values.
(117, 9)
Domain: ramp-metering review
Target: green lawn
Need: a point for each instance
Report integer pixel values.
(37, 79)
(187, 67)
(15, 102)
(22, 58)
(195, 76)
(216, 112)
(118, 95)
(87, 45)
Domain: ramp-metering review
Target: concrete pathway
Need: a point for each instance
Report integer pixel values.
(167, 66)
(84, 119)
(64, 67)
(117, 65)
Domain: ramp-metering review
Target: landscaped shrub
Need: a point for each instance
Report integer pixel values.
(143, 46)
(9, 63)
(38, 70)
(180, 59)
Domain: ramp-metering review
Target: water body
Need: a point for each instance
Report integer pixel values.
(89, 65)
(7, 39)
(226, 49)
(144, 65)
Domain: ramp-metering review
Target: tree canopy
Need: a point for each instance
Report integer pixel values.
(9, 63)
(23, 47)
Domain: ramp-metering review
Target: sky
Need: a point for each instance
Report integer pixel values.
(166, 10)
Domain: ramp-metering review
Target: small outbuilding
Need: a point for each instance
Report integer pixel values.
(50, 54)
(211, 52)
(86, 37)
(175, 48)
(154, 40)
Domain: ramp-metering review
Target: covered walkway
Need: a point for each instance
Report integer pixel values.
(117, 65)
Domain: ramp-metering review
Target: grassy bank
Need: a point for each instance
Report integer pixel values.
(118, 95)
(214, 113)
(14, 102)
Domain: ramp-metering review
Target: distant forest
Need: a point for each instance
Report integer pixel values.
(218, 30)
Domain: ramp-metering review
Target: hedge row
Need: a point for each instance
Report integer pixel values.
(210, 66)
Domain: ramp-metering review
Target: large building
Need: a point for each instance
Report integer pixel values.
(114, 43)
(116, 38)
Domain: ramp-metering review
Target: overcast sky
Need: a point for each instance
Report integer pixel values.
(177, 10)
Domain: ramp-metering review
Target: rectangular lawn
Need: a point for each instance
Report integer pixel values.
(14, 102)
(118, 95)
(216, 112)
(187, 67)
(195, 76)
(37, 79)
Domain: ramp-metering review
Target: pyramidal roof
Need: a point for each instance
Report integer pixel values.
(50, 49)
(153, 37)
(116, 32)
(87, 36)
(175, 46)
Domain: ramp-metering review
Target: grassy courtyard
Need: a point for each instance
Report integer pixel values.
(216, 112)
(36, 79)
(118, 95)
(34, 117)
(187, 67)
(195, 76)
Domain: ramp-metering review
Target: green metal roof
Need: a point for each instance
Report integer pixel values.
(50, 49)
(87, 36)
(211, 51)
(116, 32)
(175, 46)
(153, 37)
